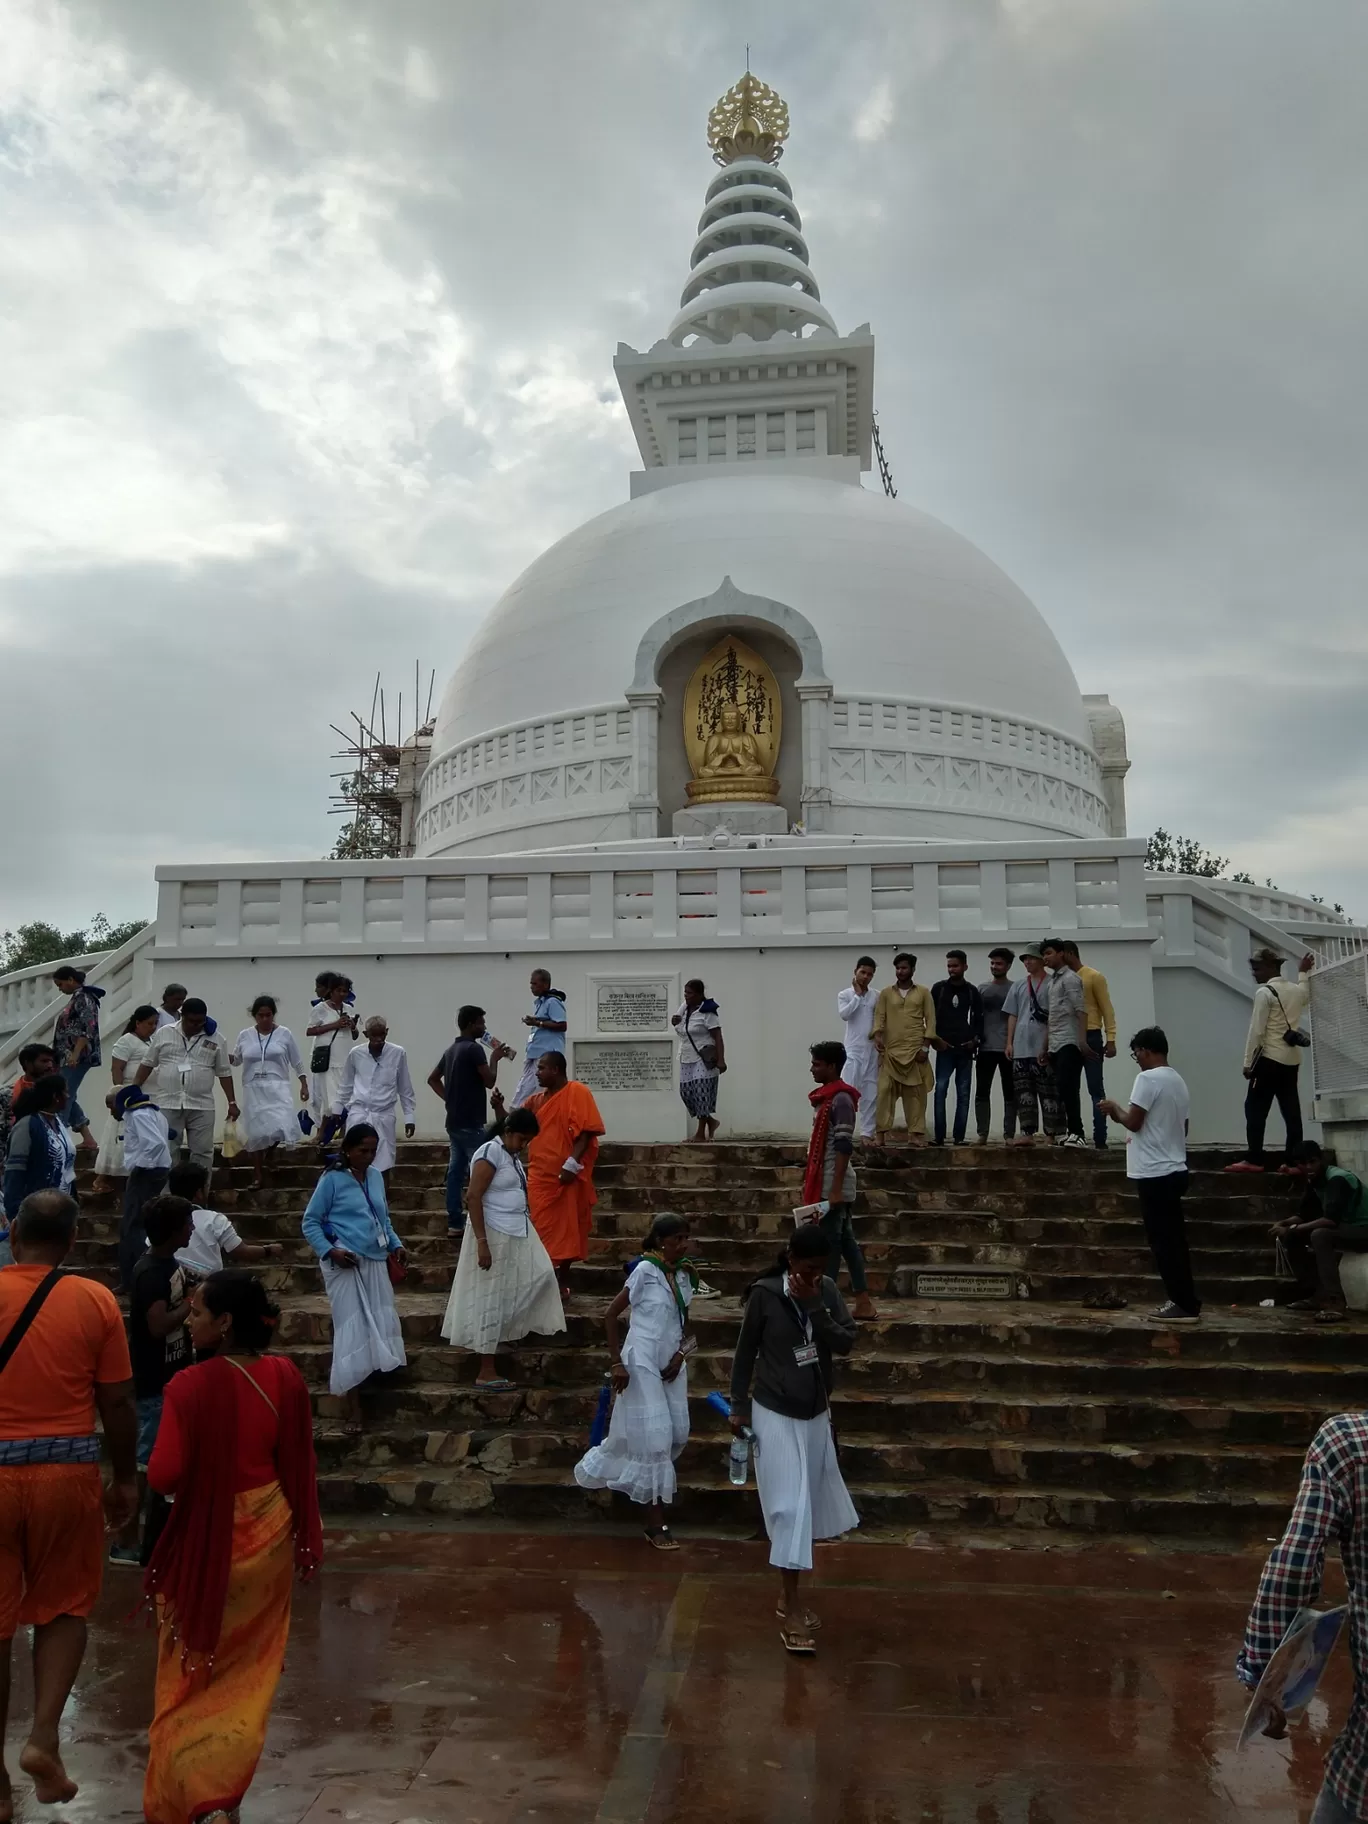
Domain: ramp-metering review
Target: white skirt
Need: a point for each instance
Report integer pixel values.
(649, 1429)
(383, 1121)
(109, 1161)
(527, 1084)
(801, 1489)
(367, 1338)
(517, 1297)
(269, 1115)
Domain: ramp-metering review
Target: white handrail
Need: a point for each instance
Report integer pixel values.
(118, 971)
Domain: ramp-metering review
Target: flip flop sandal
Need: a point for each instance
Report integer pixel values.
(499, 1386)
(1302, 1304)
(662, 1539)
(801, 1645)
(1330, 1316)
(1105, 1301)
(810, 1621)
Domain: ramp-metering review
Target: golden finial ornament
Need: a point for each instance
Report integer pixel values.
(750, 121)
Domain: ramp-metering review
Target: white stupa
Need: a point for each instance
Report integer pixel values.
(751, 724)
(921, 693)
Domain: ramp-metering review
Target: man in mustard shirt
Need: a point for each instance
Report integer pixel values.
(903, 1033)
(1100, 1017)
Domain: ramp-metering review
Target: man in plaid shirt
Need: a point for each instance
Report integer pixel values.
(1332, 1503)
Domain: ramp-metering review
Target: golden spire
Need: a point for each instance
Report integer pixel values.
(750, 121)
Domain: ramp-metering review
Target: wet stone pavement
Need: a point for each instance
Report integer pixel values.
(542, 1678)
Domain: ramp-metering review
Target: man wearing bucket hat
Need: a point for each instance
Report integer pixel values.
(1027, 1010)
(147, 1155)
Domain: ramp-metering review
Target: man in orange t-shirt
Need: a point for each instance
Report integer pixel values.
(71, 1362)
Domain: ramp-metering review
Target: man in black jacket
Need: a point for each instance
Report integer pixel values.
(959, 1033)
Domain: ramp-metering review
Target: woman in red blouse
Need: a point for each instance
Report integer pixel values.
(236, 1452)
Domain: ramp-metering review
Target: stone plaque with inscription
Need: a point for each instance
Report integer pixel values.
(633, 1006)
(624, 1064)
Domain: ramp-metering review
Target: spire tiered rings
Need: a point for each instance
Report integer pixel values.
(749, 272)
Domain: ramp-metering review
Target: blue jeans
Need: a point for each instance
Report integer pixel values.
(73, 1075)
(1097, 1089)
(959, 1065)
(840, 1233)
(149, 1424)
(464, 1143)
(1329, 1810)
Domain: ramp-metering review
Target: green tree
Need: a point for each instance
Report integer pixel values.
(39, 942)
(1183, 855)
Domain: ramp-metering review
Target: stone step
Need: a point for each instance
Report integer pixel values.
(546, 1494)
(438, 1410)
(1112, 1468)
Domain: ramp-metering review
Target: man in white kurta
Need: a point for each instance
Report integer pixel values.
(856, 1008)
(375, 1083)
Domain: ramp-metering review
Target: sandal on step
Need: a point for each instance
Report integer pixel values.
(1105, 1301)
(1331, 1314)
(798, 1641)
(661, 1538)
(499, 1386)
(810, 1621)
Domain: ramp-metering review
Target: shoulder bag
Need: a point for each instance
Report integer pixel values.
(706, 1052)
(1293, 1036)
(19, 1329)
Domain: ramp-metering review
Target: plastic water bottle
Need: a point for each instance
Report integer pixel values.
(738, 1458)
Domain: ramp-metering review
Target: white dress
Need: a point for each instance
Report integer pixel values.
(271, 1068)
(802, 1492)
(327, 1084)
(372, 1088)
(109, 1161)
(697, 1083)
(518, 1295)
(650, 1423)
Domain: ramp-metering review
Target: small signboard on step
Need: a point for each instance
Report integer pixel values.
(941, 1282)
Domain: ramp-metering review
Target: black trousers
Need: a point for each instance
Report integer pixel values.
(987, 1065)
(1161, 1207)
(1272, 1083)
(1067, 1064)
(142, 1185)
(1315, 1256)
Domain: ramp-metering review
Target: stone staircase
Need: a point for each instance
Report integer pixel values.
(1031, 1412)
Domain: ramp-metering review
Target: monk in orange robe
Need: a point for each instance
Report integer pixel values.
(560, 1163)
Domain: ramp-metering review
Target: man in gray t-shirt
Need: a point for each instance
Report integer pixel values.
(992, 1060)
(1068, 1039)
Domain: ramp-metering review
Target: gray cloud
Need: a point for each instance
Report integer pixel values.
(313, 313)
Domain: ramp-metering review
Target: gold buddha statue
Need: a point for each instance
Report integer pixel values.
(731, 727)
(732, 752)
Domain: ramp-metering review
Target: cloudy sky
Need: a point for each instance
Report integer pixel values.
(308, 316)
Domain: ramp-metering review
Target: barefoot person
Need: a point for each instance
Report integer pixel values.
(271, 1065)
(794, 1321)
(505, 1286)
(236, 1452)
(829, 1181)
(702, 1057)
(347, 1224)
(903, 1033)
(650, 1423)
(70, 1359)
(376, 1084)
(560, 1164)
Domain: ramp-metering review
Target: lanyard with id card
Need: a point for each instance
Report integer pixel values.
(804, 1353)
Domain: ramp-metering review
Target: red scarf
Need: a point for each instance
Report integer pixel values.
(821, 1099)
(192, 1559)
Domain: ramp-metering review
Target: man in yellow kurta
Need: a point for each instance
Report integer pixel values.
(902, 1032)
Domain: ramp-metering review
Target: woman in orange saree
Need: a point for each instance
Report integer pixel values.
(560, 1164)
(236, 1451)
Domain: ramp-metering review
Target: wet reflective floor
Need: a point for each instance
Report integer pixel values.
(536, 1678)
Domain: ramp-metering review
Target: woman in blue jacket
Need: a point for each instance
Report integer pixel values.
(347, 1225)
(42, 1153)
